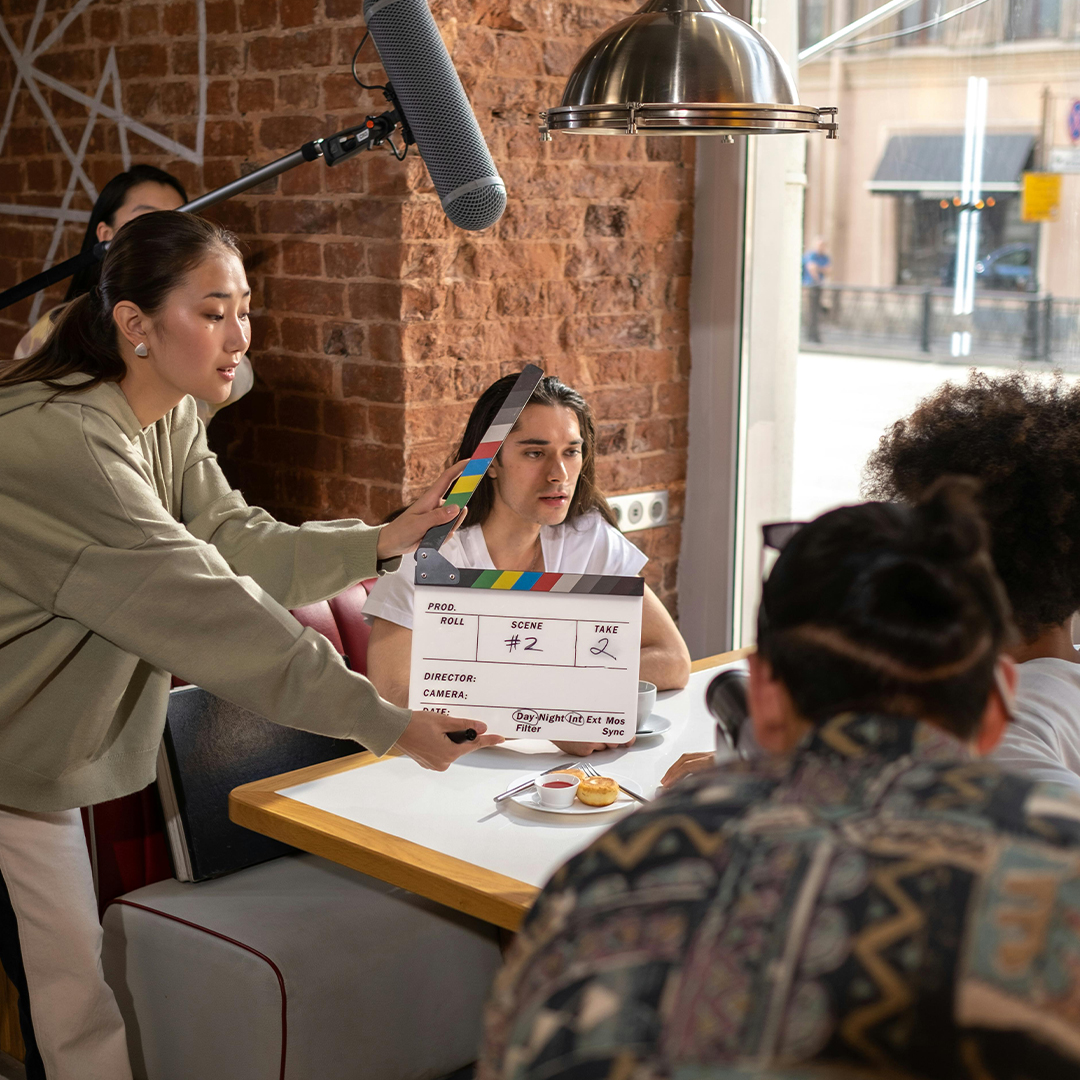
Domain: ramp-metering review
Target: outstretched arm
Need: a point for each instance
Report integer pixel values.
(299, 565)
(388, 660)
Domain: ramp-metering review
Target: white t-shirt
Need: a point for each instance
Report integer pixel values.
(588, 546)
(1043, 742)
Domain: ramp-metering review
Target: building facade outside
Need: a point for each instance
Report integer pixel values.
(887, 219)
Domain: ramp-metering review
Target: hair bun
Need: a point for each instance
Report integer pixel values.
(947, 524)
(906, 588)
(911, 607)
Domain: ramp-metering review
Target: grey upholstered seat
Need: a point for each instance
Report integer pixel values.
(297, 969)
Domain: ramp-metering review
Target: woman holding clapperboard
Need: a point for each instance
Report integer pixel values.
(538, 508)
(125, 556)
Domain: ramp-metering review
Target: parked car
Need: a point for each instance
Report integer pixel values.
(1008, 267)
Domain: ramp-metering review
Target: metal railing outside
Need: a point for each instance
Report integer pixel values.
(919, 323)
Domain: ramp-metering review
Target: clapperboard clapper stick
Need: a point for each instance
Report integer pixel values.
(490, 445)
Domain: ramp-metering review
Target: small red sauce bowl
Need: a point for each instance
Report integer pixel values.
(557, 792)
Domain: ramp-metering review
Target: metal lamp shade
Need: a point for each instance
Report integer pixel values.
(683, 67)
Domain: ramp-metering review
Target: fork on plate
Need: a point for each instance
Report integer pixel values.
(589, 770)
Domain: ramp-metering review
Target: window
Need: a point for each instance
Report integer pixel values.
(1026, 19)
(926, 236)
(918, 15)
(1021, 257)
(821, 383)
(813, 22)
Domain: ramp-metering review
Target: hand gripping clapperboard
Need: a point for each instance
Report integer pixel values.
(532, 655)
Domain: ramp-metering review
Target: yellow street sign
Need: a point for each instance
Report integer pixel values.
(1041, 196)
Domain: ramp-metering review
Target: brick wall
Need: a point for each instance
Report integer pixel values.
(377, 323)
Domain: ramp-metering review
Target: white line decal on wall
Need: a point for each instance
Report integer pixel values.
(33, 79)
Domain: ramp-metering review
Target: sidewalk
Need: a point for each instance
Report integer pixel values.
(843, 405)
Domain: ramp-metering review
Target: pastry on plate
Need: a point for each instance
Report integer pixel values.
(598, 791)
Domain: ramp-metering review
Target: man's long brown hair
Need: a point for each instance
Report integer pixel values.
(549, 391)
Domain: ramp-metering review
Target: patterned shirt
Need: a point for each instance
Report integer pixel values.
(879, 898)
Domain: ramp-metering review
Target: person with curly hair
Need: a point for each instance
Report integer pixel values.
(1019, 436)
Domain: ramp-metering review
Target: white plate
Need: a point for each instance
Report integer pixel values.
(530, 797)
(654, 725)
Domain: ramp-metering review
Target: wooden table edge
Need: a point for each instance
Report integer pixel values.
(720, 659)
(461, 885)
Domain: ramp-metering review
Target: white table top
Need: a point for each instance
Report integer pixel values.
(453, 812)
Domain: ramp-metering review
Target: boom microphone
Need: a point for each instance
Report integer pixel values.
(432, 101)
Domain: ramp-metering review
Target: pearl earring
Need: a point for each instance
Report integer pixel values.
(141, 349)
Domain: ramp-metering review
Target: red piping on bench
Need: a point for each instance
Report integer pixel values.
(240, 945)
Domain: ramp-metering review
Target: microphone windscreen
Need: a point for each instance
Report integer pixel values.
(438, 112)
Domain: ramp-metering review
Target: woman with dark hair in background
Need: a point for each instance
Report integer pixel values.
(538, 508)
(124, 557)
(141, 190)
(868, 892)
(128, 195)
(1019, 437)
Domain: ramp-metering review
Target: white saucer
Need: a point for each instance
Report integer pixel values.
(530, 798)
(654, 725)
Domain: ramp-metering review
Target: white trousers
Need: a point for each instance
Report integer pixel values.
(46, 868)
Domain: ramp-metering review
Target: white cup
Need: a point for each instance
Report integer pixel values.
(646, 701)
(557, 790)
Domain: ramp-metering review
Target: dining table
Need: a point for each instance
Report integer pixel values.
(442, 835)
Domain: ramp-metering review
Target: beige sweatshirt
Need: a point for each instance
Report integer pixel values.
(125, 556)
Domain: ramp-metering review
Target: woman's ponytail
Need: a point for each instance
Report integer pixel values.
(82, 342)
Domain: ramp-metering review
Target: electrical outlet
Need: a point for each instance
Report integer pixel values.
(640, 510)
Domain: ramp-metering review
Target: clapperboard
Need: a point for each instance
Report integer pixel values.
(532, 655)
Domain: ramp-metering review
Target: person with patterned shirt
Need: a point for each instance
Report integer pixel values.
(870, 893)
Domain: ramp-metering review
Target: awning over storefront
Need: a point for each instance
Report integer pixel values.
(934, 164)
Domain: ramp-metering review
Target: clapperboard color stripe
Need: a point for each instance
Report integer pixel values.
(533, 581)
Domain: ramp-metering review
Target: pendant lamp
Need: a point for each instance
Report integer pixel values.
(683, 67)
